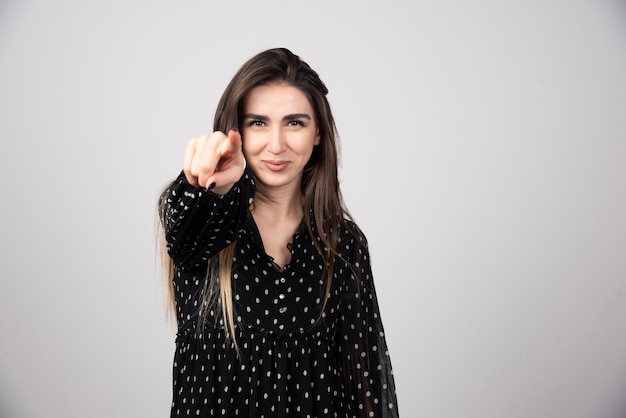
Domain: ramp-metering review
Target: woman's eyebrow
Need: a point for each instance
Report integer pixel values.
(291, 116)
(297, 116)
(255, 117)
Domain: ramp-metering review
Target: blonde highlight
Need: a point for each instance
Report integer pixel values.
(226, 292)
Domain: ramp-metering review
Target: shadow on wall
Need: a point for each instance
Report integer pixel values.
(17, 400)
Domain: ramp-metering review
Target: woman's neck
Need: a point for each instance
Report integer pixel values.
(279, 206)
(279, 203)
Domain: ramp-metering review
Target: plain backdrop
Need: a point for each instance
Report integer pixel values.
(483, 154)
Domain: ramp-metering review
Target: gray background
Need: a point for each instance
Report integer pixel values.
(484, 155)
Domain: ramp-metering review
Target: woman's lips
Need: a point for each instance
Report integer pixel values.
(276, 165)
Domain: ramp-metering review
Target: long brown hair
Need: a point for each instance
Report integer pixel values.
(325, 214)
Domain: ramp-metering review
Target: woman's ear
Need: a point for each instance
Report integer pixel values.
(317, 139)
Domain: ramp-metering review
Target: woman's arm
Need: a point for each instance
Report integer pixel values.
(199, 223)
(365, 362)
(203, 209)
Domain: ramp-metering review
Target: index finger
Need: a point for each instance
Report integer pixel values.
(233, 145)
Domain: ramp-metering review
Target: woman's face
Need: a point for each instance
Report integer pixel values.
(279, 133)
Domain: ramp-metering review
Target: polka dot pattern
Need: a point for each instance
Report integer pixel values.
(293, 361)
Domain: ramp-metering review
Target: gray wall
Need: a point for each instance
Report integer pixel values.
(484, 155)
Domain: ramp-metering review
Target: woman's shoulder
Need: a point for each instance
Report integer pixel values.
(352, 232)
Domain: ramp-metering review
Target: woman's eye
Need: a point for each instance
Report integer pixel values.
(295, 123)
(255, 123)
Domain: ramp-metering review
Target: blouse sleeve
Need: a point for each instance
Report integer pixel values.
(199, 223)
(365, 361)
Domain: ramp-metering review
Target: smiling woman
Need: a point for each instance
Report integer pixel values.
(271, 279)
(280, 136)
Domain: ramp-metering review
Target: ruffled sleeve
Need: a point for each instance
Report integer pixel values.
(365, 362)
(199, 223)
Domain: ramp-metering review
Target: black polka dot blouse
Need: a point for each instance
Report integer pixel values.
(293, 360)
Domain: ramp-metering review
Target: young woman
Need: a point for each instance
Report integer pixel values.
(271, 279)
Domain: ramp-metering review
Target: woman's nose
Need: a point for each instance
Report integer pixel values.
(276, 142)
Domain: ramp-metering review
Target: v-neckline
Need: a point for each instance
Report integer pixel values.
(258, 240)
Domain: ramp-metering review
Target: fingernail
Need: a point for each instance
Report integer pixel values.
(211, 186)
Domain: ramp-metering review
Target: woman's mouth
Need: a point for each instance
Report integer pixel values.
(276, 165)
